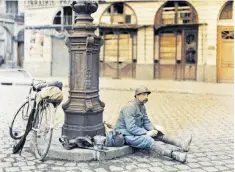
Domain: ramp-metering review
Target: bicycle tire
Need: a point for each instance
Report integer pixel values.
(38, 154)
(11, 130)
(28, 110)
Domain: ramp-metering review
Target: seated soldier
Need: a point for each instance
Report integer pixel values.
(139, 132)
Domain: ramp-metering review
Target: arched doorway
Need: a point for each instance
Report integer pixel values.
(2, 46)
(20, 48)
(118, 28)
(176, 39)
(7, 45)
(225, 44)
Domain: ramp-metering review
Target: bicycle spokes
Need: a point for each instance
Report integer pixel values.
(43, 130)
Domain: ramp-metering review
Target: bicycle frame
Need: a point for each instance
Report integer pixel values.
(28, 99)
(29, 96)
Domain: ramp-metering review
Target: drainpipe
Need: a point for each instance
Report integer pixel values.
(203, 58)
(145, 43)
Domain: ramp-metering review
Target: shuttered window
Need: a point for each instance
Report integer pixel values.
(118, 13)
(176, 12)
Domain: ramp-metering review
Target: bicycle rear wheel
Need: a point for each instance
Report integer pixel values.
(43, 130)
(19, 122)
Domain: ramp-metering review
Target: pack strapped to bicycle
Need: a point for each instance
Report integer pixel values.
(50, 91)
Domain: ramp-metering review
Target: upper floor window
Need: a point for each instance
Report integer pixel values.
(11, 7)
(67, 17)
(176, 12)
(118, 13)
(57, 18)
(227, 12)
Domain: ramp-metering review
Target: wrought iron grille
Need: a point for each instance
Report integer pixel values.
(227, 34)
(190, 47)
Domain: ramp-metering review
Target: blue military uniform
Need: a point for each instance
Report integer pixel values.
(133, 123)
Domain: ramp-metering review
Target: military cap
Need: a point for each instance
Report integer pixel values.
(142, 89)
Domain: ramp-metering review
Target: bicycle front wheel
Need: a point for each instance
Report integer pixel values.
(43, 130)
(19, 122)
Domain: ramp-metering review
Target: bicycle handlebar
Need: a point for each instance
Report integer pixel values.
(41, 84)
(21, 70)
(31, 77)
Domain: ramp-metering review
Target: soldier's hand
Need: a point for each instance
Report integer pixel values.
(152, 133)
(160, 128)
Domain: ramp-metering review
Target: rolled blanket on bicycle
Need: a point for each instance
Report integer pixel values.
(38, 87)
(52, 93)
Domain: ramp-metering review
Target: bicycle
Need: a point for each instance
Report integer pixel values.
(16, 130)
(40, 119)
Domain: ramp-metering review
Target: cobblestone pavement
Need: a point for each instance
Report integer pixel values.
(209, 118)
(163, 86)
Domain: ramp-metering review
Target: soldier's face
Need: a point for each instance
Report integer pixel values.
(143, 98)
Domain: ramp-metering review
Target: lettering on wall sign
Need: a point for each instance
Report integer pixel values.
(39, 3)
(65, 2)
(45, 3)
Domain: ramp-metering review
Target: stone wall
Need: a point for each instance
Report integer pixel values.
(145, 13)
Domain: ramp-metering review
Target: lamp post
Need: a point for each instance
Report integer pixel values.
(83, 110)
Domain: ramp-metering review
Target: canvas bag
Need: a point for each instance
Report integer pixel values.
(52, 93)
(115, 139)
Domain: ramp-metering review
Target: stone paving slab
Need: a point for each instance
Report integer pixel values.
(57, 151)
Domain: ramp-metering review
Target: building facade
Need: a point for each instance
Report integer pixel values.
(11, 33)
(177, 40)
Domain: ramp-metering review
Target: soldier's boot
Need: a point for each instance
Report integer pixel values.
(163, 151)
(184, 144)
(179, 156)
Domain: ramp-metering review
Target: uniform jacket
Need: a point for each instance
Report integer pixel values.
(133, 119)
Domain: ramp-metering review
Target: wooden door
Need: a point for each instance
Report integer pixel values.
(20, 54)
(167, 56)
(126, 67)
(118, 56)
(190, 55)
(109, 64)
(225, 54)
(176, 53)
